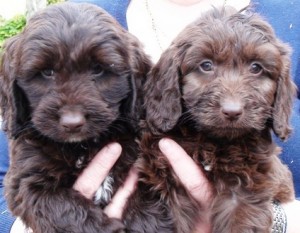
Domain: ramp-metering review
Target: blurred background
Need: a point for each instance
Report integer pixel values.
(11, 8)
(14, 13)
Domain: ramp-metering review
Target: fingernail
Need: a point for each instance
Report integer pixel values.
(164, 144)
(114, 149)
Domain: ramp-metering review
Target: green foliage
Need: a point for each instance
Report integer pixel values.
(49, 2)
(11, 27)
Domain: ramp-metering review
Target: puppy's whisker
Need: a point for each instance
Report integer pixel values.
(186, 116)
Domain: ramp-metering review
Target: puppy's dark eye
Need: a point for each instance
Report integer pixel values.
(97, 69)
(255, 68)
(48, 73)
(206, 66)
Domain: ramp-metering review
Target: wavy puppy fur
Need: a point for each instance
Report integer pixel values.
(70, 83)
(220, 90)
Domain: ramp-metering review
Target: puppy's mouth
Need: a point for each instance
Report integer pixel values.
(72, 126)
(230, 130)
(85, 133)
(75, 138)
(225, 129)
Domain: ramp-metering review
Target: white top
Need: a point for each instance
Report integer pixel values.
(157, 22)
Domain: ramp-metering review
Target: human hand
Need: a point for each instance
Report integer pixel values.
(194, 180)
(292, 210)
(96, 171)
(191, 176)
(91, 178)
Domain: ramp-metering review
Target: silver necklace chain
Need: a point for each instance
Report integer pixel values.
(154, 24)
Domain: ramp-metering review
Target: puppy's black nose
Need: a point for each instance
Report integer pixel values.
(231, 110)
(72, 121)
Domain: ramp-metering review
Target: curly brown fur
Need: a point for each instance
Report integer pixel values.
(70, 83)
(220, 90)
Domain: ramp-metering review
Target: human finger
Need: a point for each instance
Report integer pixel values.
(93, 175)
(119, 201)
(190, 174)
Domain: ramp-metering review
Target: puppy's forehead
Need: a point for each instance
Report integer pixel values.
(73, 19)
(73, 32)
(228, 36)
(71, 12)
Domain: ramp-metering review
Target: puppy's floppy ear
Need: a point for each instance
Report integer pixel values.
(285, 93)
(13, 102)
(162, 92)
(286, 89)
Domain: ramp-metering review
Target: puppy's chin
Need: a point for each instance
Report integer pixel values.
(224, 132)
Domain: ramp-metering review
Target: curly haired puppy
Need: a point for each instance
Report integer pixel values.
(220, 90)
(70, 83)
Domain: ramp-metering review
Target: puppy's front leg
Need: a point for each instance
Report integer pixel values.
(39, 191)
(147, 213)
(233, 213)
(60, 211)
